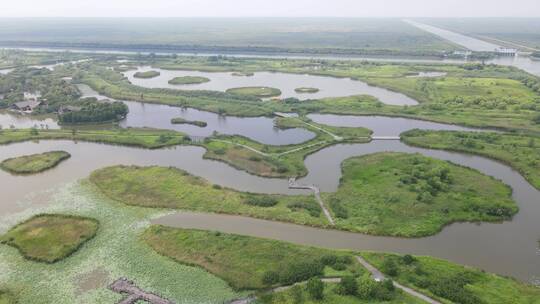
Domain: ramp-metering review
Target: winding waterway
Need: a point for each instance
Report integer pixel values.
(508, 248)
(286, 82)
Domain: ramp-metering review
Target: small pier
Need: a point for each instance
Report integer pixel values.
(135, 294)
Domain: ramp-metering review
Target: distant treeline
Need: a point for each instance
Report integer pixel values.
(172, 48)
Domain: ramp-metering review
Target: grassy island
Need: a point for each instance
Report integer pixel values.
(180, 121)
(260, 92)
(306, 90)
(249, 262)
(50, 237)
(35, 163)
(147, 74)
(159, 187)
(521, 151)
(188, 80)
(411, 195)
(242, 74)
(453, 283)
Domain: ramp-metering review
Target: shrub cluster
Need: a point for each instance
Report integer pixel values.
(312, 208)
(261, 201)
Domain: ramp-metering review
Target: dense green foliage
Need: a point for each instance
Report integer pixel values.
(7, 297)
(455, 283)
(188, 80)
(50, 237)
(180, 120)
(48, 85)
(521, 151)
(245, 262)
(34, 163)
(90, 111)
(412, 195)
(173, 188)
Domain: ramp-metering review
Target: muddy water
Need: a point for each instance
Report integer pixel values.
(287, 83)
(508, 248)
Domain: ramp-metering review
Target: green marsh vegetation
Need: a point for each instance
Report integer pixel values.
(138, 137)
(306, 90)
(35, 163)
(50, 237)
(259, 92)
(147, 74)
(451, 282)
(370, 293)
(248, 263)
(171, 188)
(242, 74)
(188, 80)
(279, 161)
(411, 195)
(6, 297)
(180, 120)
(470, 94)
(520, 151)
(115, 251)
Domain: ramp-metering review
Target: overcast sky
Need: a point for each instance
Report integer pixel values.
(267, 8)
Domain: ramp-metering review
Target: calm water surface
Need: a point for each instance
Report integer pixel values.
(287, 83)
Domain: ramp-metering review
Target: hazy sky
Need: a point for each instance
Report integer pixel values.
(277, 8)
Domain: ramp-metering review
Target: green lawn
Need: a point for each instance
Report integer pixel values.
(160, 187)
(453, 283)
(139, 137)
(244, 261)
(50, 237)
(260, 92)
(188, 80)
(411, 195)
(147, 74)
(34, 163)
(521, 151)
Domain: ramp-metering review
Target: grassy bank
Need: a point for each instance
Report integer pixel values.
(453, 283)
(35, 163)
(411, 195)
(50, 237)
(138, 137)
(159, 187)
(248, 262)
(520, 151)
(188, 80)
(6, 297)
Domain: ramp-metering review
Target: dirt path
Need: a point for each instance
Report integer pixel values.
(317, 193)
